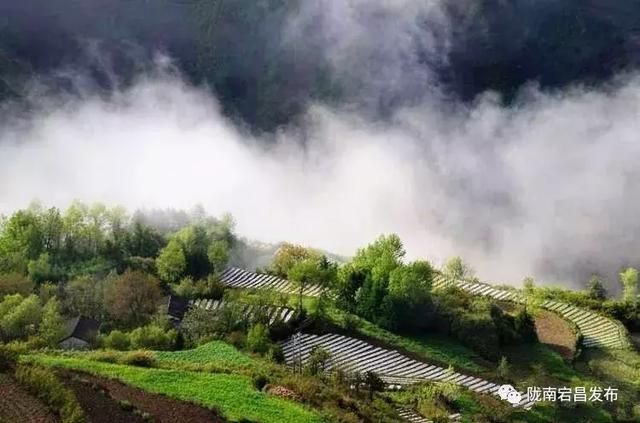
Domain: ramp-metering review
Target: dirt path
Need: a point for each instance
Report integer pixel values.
(555, 332)
(17, 405)
(162, 408)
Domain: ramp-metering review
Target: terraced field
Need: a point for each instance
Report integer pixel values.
(16, 404)
(394, 368)
(274, 313)
(598, 331)
(239, 278)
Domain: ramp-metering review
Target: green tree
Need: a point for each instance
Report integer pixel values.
(144, 241)
(318, 360)
(302, 274)
(349, 281)
(171, 263)
(22, 320)
(412, 282)
(258, 338)
(455, 268)
(218, 254)
(289, 255)
(380, 258)
(52, 327)
(596, 288)
(629, 281)
(195, 244)
(43, 270)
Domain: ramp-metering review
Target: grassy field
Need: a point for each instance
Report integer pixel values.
(209, 353)
(233, 395)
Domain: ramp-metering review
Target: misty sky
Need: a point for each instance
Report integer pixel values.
(544, 186)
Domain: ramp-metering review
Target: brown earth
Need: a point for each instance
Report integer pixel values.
(162, 408)
(556, 333)
(98, 406)
(17, 405)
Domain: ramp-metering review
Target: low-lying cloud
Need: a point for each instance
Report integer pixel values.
(546, 187)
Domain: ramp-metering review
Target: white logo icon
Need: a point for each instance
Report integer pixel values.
(508, 392)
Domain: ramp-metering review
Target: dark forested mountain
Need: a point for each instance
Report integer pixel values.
(263, 57)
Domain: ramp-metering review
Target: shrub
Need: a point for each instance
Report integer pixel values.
(15, 283)
(350, 322)
(139, 358)
(106, 356)
(153, 337)
(117, 340)
(45, 385)
(258, 339)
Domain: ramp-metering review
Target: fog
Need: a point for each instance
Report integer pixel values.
(544, 188)
(543, 185)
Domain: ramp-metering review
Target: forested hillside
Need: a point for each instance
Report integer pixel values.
(156, 300)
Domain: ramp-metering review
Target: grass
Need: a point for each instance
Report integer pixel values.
(233, 395)
(433, 347)
(211, 352)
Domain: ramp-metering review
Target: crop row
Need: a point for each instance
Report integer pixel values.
(273, 313)
(354, 355)
(239, 278)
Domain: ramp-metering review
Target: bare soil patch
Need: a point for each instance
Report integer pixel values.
(556, 332)
(162, 408)
(18, 405)
(97, 404)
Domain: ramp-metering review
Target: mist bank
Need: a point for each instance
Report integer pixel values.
(545, 187)
(268, 60)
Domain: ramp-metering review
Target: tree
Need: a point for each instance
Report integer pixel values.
(218, 254)
(455, 268)
(349, 281)
(629, 281)
(52, 327)
(132, 297)
(258, 338)
(144, 241)
(15, 283)
(380, 258)
(171, 263)
(195, 244)
(318, 359)
(411, 282)
(84, 296)
(528, 285)
(302, 274)
(374, 383)
(596, 288)
(289, 255)
(22, 320)
(42, 270)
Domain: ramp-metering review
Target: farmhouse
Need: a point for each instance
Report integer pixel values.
(80, 331)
